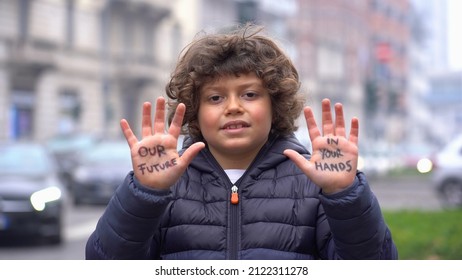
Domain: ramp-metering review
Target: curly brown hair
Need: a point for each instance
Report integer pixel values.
(242, 51)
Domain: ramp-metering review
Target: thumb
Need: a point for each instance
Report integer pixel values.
(191, 152)
(302, 163)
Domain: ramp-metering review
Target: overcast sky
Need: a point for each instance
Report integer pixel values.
(455, 34)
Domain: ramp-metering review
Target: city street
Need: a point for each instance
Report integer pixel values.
(416, 192)
(80, 222)
(393, 194)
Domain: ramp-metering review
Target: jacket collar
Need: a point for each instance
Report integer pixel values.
(270, 155)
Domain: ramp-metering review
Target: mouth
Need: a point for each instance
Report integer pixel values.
(235, 125)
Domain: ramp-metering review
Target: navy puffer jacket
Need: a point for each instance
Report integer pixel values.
(281, 214)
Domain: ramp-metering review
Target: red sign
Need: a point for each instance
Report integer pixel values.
(383, 52)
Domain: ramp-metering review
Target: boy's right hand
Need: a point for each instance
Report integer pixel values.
(155, 158)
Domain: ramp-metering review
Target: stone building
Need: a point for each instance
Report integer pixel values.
(79, 66)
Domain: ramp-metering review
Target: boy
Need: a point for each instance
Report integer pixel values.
(243, 187)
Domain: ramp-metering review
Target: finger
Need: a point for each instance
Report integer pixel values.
(146, 125)
(191, 152)
(313, 129)
(128, 133)
(299, 160)
(177, 122)
(339, 120)
(354, 131)
(327, 124)
(159, 119)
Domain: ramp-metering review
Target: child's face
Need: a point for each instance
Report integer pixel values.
(235, 117)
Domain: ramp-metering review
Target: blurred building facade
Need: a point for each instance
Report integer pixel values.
(435, 116)
(356, 52)
(82, 65)
(444, 101)
(332, 44)
(387, 85)
(79, 65)
(419, 115)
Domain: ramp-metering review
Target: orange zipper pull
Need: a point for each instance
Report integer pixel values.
(234, 195)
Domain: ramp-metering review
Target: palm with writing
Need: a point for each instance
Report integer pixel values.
(334, 160)
(155, 159)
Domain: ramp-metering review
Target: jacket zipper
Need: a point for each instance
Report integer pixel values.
(234, 195)
(234, 224)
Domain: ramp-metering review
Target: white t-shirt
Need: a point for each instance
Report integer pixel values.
(234, 174)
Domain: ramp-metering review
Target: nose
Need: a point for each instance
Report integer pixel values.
(233, 105)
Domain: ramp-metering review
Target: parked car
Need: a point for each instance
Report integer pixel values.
(376, 160)
(416, 156)
(66, 148)
(447, 173)
(99, 171)
(31, 194)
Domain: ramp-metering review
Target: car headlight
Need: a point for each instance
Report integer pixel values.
(82, 174)
(40, 198)
(424, 165)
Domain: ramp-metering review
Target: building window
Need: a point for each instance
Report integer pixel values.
(24, 11)
(247, 11)
(176, 41)
(128, 31)
(330, 63)
(149, 39)
(69, 111)
(69, 32)
(22, 114)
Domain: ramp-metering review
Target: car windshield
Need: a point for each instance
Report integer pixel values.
(107, 153)
(66, 143)
(23, 160)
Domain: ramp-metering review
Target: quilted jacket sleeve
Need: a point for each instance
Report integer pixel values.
(127, 227)
(358, 230)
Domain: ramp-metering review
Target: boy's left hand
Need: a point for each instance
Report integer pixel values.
(335, 158)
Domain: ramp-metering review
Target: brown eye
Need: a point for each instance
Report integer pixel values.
(250, 95)
(215, 98)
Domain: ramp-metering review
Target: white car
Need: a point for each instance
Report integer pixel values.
(447, 173)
